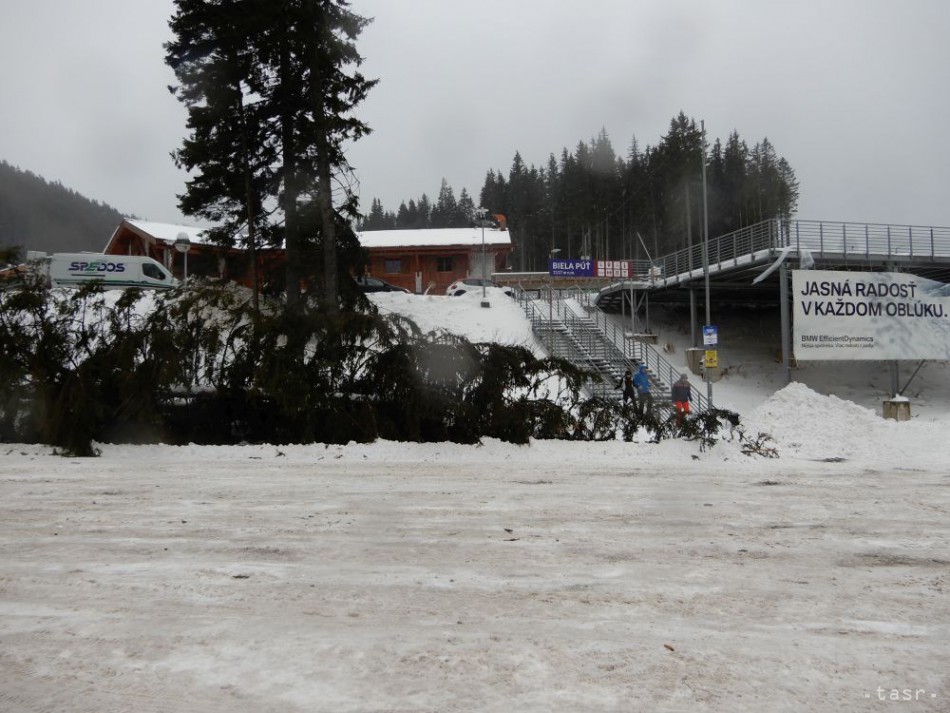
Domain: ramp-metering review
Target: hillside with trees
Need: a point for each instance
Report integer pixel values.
(38, 215)
(592, 202)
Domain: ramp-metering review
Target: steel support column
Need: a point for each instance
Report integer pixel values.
(786, 323)
(693, 333)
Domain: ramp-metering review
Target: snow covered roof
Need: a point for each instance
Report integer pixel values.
(434, 237)
(168, 232)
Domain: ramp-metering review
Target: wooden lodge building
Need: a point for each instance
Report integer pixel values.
(431, 260)
(415, 259)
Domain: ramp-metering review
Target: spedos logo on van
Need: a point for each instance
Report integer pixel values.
(96, 266)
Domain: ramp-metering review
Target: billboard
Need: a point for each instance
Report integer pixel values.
(859, 316)
(590, 268)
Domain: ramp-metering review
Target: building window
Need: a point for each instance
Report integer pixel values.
(393, 267)
(443, 264)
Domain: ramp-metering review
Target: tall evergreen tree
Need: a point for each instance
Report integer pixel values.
(227, 152)
(494, 193)
(735, 160)
(378, 219)
(270, 87)
(788, 190)
(604, 190)
(445, 210)
(405, 215)
(466, 209)
(423, 213)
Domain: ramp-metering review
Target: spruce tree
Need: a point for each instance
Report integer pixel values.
(446, 207)
(377, 218)
(466, 209)
(270, 87)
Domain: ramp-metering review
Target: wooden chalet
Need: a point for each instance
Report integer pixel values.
(418, 260)
(431, 260)
(204, 259)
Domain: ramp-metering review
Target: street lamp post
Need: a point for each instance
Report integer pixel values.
(482, 212)
(183, 245)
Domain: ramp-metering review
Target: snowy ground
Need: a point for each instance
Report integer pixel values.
(550, 577)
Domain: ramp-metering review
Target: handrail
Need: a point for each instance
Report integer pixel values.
(857, 240)
(641, 353)
(865, 239)
(611, 342)
(644, 353)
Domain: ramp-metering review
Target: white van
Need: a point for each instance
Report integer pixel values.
(114, 271)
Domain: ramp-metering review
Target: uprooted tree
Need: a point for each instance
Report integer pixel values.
(201, 365)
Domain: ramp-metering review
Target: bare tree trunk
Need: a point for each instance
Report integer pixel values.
(291, 191)
(248, 197)
(331, 287)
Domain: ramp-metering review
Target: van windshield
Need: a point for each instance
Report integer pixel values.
(150, 270)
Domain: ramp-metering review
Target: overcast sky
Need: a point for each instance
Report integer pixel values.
(853, 93)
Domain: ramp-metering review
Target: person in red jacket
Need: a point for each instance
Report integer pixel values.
(682, 392)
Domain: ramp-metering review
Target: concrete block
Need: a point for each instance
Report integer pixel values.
(897, 409)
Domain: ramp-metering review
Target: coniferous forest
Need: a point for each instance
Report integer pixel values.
(592, 202)
(38, 215)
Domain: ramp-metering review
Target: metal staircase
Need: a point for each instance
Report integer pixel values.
(571, 328)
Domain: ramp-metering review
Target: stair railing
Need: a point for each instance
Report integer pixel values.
(643, 353)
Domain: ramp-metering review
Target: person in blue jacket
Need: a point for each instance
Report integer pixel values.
(642, 382)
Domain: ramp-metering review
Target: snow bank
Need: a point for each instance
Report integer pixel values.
(810, 425)
(504, 322)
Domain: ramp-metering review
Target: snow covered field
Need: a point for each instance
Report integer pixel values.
(551, 577)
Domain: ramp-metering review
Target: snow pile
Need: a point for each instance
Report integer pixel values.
(807, 424)
(504, 322)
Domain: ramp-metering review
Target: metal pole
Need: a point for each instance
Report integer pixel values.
(693, 339)
(786, 331)
(646, 312)
(551, 317)
(633, 312)
(623, 305)
(183, 245)
(689, 233)
(484, 276)
(894, 365)
(481, 212)
(709, 388)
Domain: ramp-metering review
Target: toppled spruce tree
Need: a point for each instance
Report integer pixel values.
(202, 365)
